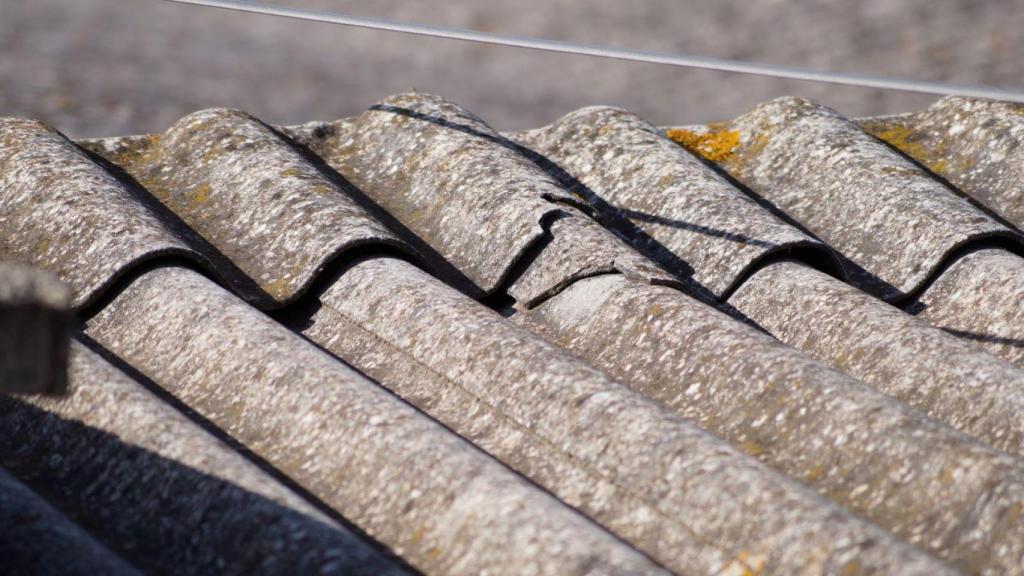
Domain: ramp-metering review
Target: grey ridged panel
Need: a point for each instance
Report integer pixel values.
(855, 193)
(576, 247)
(268, 207)
(453, 181)
(163, 492)
(34, 331)
(36, 539)
(973, 143)
(924, 481)
(980, 298)
(681, 207)
(64, 213)
(433, 498)
(685, 497)
(935, 372)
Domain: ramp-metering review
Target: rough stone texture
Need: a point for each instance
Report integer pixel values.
(855, 193)
(980, 298)
(687, 499)
(457, 184)
(974, 144)
(408, 482)
(268, 207)
(66, 214)
(163, 492)
(925, 482)
(34, 331)
(36, 539)
(669, 203)
(575, 247)
(941, 375)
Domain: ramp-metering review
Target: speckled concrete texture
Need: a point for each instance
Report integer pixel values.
(683, 213)
(855, 193)
(272, 211)
(972, 143)
(34, 331)
(433, 498)
(453, 181)
(980, 298)
(37, 539)
(688, 499)
(927, 483)
(161, 491)
(66, 214)
(904, 357)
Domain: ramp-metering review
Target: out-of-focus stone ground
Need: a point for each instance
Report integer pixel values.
(106, 67)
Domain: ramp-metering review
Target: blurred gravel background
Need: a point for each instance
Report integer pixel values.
(106, 67)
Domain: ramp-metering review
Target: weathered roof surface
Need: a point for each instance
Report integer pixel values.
(34, 330)
(611, 404)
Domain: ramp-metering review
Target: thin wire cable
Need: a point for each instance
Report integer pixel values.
(789, 72)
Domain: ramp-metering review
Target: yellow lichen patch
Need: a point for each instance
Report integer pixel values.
(277, 288)
(815, 473)
(903, 138)
(850, 568)
(715, 145)
(200, 194)
(751, 448)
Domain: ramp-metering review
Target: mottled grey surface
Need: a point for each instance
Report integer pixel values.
(577, 247)
(163, 492)
(64, 213)
(855, 193)
(265, 205)
(433, 498)
(980, 298)
(679, 207)
(453, 181)
(36, 539)
(925, 482)
(904, 357)
(685, 497)
(973, 143)
(34, 331)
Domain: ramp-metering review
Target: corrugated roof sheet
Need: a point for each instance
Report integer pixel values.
(683, 356)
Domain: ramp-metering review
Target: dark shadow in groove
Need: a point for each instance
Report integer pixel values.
(439, 266)
(209, 256)
(942, 180)
(303, 320)
(161, 533)
(1009, 241)
(986, 338)
(235, 445)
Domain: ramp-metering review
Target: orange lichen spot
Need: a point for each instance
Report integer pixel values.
(850, 568)
(814, 473)
(751, 448)
(200, 194)
(277, 288)
(904, 139)
(715, 145)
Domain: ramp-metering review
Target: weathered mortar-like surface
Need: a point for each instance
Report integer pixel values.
(683, 208)
(925, 482)
(161, 491)
(579, 247)
(34, 331)
(900, 355)
(973, 143)
(36, 539)
(275, 214)
(855, 193)
(980, 298)
(62, 212)
(457, 184)
(436, 500)
(687, 498)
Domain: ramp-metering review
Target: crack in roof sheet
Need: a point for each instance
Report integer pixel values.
(681, 207)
